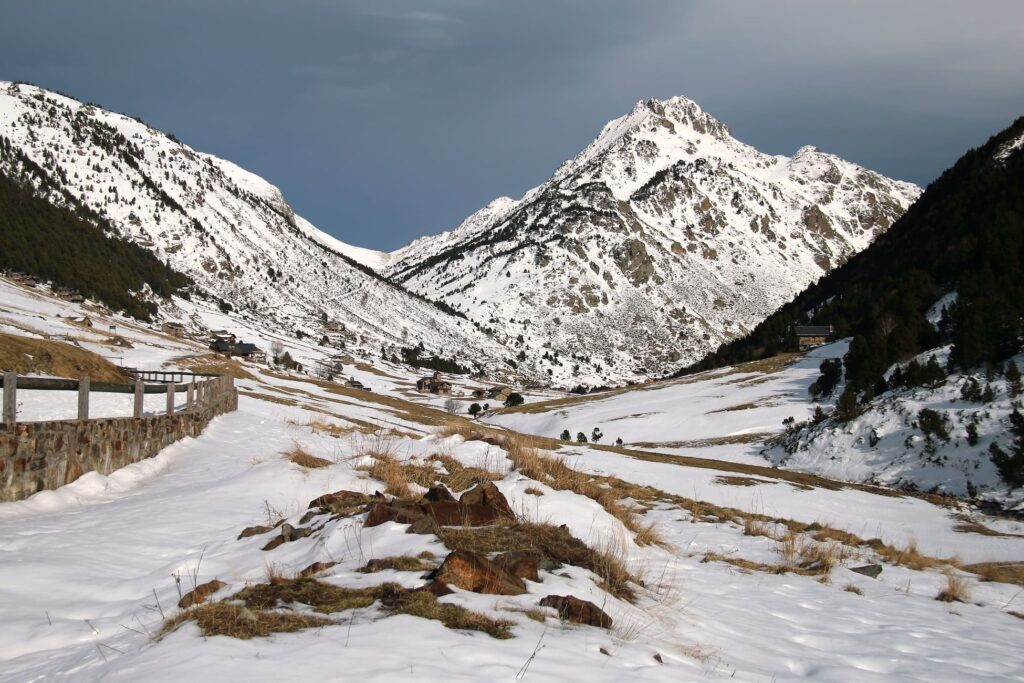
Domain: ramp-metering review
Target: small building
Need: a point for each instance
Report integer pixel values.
(68, 294)
(218, 336)
(434, 385)
(82, 321)
(498, 394)
(240, 349)
(334, 326)
(809, 336)
(174, 329)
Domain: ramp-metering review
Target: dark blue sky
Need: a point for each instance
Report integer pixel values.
(386, 120)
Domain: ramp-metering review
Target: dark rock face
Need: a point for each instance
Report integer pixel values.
(476, 573)
(872, 570)
(635, 263)
(482, 505)
(577, 611)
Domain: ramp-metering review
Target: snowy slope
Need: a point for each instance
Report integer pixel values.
(229, 229)
(88, 572)
(662, 239)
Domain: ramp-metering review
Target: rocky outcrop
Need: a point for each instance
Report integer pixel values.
(577, 611)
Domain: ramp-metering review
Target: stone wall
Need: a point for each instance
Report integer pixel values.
(45, 455)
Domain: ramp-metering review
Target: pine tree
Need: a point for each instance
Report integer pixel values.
(1013, 378)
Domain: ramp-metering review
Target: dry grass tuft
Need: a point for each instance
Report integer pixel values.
(850, 588)
(957, 589)
(304, 458)
(387, 470)
(399, 563)
(1002, 572)
(322, 597)
(397, 600)
(908, 556)
(459, 477)
(238, 621)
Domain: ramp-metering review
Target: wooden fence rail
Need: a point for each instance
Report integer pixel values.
(198, 393)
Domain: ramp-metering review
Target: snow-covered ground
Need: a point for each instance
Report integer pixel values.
(722, 414)
(86, 570)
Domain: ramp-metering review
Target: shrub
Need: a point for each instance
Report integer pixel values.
(932, 423)
(514, 399)
(831, 372)
(474, 410)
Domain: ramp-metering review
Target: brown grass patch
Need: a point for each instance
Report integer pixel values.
(213, 364)
(907, 555)
(730, 440)
(397, 600)
(237, 621)
(557, 474)
(1001, 572)
(25, 355)
(850, 588)
(279, 400)
(321, 597)
(969, 525)
(304, 458)
(739, 481)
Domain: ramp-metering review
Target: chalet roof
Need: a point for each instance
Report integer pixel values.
(812, 330)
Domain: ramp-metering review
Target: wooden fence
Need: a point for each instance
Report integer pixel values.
(198, 393)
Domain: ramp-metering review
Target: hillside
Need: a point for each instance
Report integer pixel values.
(72, 247)
(928, 395)
(661, 240)
(228, 230)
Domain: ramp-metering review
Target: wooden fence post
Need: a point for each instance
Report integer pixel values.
(191, 397)
(139, 397)
(83, 398)
(170, 398)
(10, 399)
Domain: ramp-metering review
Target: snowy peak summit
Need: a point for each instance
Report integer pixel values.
(665, 237)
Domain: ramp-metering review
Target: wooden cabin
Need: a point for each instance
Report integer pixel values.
(809, 336)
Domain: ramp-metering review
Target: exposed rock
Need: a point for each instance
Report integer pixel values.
(200, 593)
(487, 494)
(872, 570)
(343, 502)
(315, 568)
(476, 573)
(254, 531)
(633, 260)
(438, 494)
(273, 543)
(522, 563)
(437, 588)
(577, 611)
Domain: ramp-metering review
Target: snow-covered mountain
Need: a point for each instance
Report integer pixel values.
(228, 229)
(664, 238)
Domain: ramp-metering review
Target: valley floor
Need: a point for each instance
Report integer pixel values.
(749, 578)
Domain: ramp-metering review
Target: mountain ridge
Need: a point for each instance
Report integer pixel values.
(664, 209)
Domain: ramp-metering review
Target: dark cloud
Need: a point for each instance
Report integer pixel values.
(387, 120)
